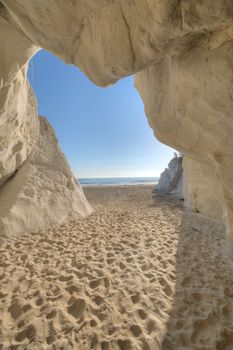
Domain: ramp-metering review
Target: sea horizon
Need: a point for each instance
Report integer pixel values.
(106, 181)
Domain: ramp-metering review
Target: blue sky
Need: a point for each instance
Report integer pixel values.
(102, 131)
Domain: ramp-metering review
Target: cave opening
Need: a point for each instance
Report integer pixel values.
(103, 132)
(138, 271)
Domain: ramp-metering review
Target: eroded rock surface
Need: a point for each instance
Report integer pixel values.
(202, 189)
(43, 191)
(182, 54)
(37, 187)
(18, 118)
(171, 179)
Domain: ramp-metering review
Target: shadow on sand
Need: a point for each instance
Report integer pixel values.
(201, 317)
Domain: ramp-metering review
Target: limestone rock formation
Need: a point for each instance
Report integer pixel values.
(43, 191)
(18, 117)
(191, 110)
(202, 189)
(182, 54)
(36, 184)
(171, 179)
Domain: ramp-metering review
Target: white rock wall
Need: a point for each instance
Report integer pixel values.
(188, 100)
(37, 187)
(18, 118)
(202, 189)
(171, 179)
(43, 191)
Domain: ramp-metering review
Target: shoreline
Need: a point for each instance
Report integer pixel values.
(118, 185)
(119, 181)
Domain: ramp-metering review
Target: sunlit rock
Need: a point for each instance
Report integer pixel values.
(43, 191)
(18, 118)
(188, 101)
(36, 185)
(171, 179)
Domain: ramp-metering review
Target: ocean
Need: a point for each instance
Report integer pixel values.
(114, 181)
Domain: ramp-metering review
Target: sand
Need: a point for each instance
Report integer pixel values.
(139, 273)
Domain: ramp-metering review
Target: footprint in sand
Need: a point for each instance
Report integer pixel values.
(76, 307)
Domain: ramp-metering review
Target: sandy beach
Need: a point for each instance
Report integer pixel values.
(139, 273)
